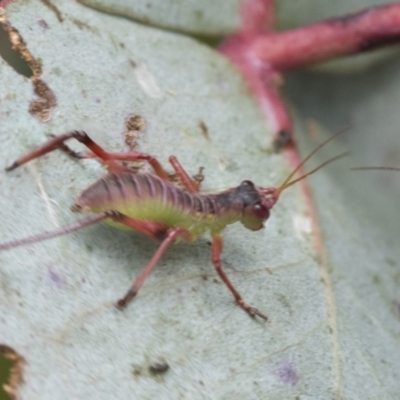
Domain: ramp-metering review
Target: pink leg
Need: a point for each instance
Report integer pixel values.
(120, 156)
(153, 230)
(171, 236)
(96, 151)
(58, 141)
(216, 250)
(190, 184)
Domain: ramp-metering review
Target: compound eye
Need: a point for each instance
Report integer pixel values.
(261, 211)
(247, 183)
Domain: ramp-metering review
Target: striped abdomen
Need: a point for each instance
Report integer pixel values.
(147, 197)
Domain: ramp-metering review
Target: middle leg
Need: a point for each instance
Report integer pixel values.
(216, 250)
(170, 238)
(192, 185)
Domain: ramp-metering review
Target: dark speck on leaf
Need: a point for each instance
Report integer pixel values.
(159, 367)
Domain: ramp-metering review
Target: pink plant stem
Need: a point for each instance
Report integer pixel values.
(333, 38)
(262, 56)
(257, 16)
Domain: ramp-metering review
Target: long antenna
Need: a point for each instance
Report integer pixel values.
(376, 168)
(315, 170)
(286, 183)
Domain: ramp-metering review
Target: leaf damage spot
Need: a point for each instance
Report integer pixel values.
(11, 56)
(134, 124)
(46, 101)
(15, 378)
(41, 107)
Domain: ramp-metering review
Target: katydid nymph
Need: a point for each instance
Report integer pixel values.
(157, 208)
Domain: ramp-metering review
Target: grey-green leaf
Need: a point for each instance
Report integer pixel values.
(332, 296)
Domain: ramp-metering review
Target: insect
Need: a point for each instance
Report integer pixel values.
(156, 207)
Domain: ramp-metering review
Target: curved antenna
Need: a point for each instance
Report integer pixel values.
(287, 182)
(376, 168)
(314, 170)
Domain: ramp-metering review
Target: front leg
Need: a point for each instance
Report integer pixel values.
(171, 236)
(216, 251)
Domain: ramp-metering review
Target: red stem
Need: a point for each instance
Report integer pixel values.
(336, 37)
(262, 56)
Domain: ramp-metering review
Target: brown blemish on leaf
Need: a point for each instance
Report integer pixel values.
(53, 8)
(15, 379)
(41, 107)
(134, 124)
(19, 45)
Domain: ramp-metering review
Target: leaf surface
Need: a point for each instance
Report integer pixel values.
(331, 293)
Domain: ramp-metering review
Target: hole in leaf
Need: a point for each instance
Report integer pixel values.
(12, 57)
(11, 369)
(5, 372)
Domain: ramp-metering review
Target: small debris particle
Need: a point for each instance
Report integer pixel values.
(204, 130)
(159, 367)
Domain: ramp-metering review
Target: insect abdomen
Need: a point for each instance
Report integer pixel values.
(147, 197)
